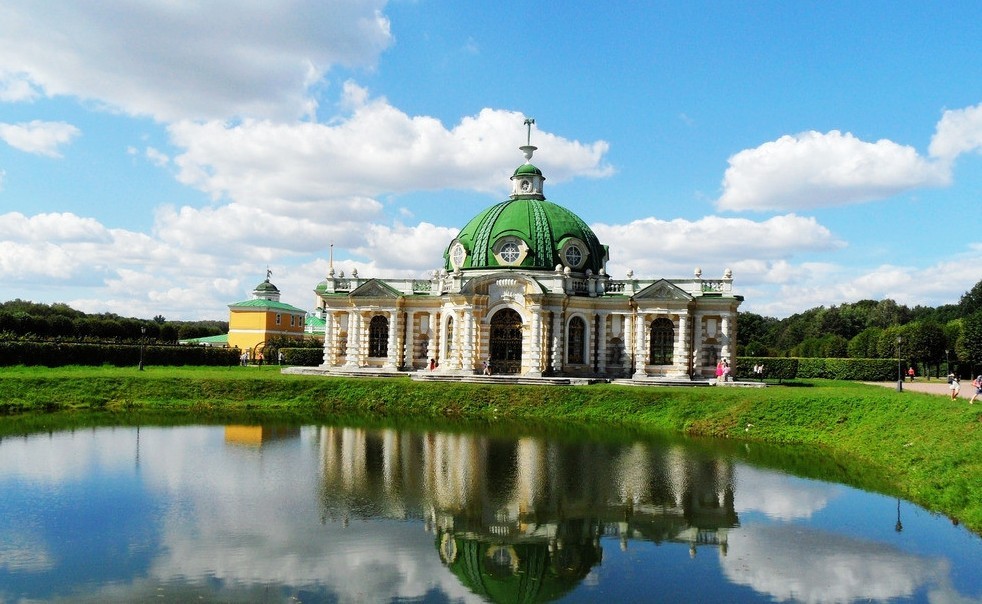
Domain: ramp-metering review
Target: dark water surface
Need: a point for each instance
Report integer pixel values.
(334, 514)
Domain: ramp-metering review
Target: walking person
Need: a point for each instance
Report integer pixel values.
(977, 382)
(953, 385)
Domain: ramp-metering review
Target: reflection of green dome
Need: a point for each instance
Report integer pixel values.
(545, 231)
(517, 572)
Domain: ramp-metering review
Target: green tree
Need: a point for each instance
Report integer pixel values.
(756, 332)
(969, 344)
(864, 344)
(971, 301)
(888, 313)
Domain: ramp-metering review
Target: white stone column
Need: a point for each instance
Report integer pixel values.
(354, 339)
(725, 350)
(364, 334)
(681, 359)
(433, 345)
(535, 342)
(467, 342)
(698, 342)
(601, 362)
(557, 342)
(628, 332)
(392, 349)
(640, 354)
(410, 341)
(330, 345)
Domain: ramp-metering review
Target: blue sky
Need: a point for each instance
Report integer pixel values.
(156, 157)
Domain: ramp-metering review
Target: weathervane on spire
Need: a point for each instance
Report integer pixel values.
(528, 149)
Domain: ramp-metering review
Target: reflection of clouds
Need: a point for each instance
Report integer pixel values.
(62, 456)
(254, 518)
(235, 520)
(793, 563)
(21, 552)
(779, 496)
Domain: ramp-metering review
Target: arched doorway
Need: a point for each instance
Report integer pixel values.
(506, 342)
(378, 337)
(662, 342)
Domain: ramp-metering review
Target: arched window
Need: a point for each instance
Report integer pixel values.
(662, 342)
(378, 337)
(575, 340)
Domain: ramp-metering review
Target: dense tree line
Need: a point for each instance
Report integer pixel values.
(930, 339)
(23, 319)
(927, 338)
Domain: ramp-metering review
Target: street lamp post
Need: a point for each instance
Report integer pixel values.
(900, 369)
(143, 338)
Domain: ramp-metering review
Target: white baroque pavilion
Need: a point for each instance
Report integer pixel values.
(524, 286)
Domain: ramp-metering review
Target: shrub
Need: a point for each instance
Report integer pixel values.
(862, 370)
(58, 354)
(304, 357)
(775, 368)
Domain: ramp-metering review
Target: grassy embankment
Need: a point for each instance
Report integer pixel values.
(921, 447)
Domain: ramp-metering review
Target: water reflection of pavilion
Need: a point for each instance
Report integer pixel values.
(522, 520)
(256, 436)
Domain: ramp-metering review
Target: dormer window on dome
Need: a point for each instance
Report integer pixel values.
(510, 251)
(458, 254)
(574, 253)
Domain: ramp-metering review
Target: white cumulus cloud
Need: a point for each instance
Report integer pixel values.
(41, 138)
(816, 170)
(651, 247)
(232, 58)
(376, 149)
(959, 131)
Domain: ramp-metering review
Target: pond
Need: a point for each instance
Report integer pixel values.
(343, 514)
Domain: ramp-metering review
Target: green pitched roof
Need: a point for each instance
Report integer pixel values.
(315, 323)
(220, 339)
(267, 305)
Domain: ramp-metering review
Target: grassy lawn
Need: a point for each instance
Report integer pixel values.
(922, 447)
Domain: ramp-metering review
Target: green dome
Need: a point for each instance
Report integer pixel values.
(526, 233)
(266, 286)
(525, 169)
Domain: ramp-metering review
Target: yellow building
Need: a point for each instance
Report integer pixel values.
(252, 323)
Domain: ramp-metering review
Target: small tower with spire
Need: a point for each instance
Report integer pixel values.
(266, 290)
(526, 182)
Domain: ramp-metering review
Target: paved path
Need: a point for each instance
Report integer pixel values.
(937, 386)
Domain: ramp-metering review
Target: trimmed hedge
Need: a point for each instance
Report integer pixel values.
(860, 370)
(58, 354)
(780, 368)
(303, 357)
(775, 368)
